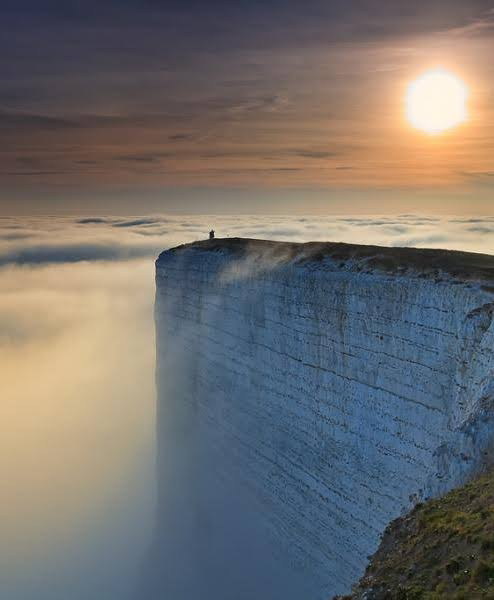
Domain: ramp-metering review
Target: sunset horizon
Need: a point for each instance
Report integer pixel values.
(162, 107)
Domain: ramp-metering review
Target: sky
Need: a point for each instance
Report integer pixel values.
(77, 352)
(133, 107)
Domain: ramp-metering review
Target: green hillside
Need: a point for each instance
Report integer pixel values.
(444, 549)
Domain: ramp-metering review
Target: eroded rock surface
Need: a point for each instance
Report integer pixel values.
(308, 395)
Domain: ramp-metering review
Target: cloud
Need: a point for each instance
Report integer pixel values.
(145, 157)
(181, 137)
(263, 103)
(38, 241)
(292, 72)
(485, 219)
(77, 351)
(70, 253)
(92, 221)
(15, 236)
(482, 229)
(78, 399)
(136, 222)
(67, 240)
(18, 121)
(475, 26)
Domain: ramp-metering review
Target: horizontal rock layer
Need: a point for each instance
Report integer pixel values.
(308, 394)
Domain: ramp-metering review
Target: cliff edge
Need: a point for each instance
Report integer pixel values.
(426, 261)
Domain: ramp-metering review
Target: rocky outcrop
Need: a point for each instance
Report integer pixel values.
(309, 394)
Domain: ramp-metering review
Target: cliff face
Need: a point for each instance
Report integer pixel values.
(309, 394)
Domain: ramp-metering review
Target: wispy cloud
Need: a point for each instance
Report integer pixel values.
(263, 103)
(19, 121)
(483, 24)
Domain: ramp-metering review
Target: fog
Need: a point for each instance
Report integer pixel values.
(76, 353)
(77, 446)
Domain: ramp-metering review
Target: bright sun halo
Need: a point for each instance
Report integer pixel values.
(437, 101)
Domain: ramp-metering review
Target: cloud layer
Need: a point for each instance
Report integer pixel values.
(77, 372)
(35, 241)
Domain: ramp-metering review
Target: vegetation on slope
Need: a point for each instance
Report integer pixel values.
(444, 549)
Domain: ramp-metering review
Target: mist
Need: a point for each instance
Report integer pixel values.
(77, 354)
(77, 441)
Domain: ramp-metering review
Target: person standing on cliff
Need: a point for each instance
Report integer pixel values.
(211, 234)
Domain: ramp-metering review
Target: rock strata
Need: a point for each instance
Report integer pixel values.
(314, 392)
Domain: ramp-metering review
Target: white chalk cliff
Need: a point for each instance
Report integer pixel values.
(307, 395)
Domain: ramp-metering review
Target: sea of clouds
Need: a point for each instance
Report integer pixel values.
(77, 373)
(48, 240)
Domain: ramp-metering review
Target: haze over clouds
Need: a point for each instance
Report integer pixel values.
(77, 356)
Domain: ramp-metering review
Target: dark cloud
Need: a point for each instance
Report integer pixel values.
(415, 219)
(370, 15)
(145, 157)
(92, 221)
(472, 220)
(18, 122)
(154, 232)
(72, 253)
(356, 220)
(15, 236)
(181, 137)
(481, 229)
(136, 222)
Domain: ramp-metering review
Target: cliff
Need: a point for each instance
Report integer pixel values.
(308, 395)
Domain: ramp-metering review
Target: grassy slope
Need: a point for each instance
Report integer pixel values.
(464, 266)
(444, 549)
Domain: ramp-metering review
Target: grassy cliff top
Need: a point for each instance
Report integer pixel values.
(443, 550)
(430, 262)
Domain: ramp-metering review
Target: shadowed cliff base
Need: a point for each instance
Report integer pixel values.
(429, 262)
(444, 549)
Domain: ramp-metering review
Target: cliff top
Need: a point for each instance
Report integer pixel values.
(429, 262)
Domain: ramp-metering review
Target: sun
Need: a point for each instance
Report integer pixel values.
(437, 101)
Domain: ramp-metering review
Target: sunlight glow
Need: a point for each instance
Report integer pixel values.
(437, 101)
